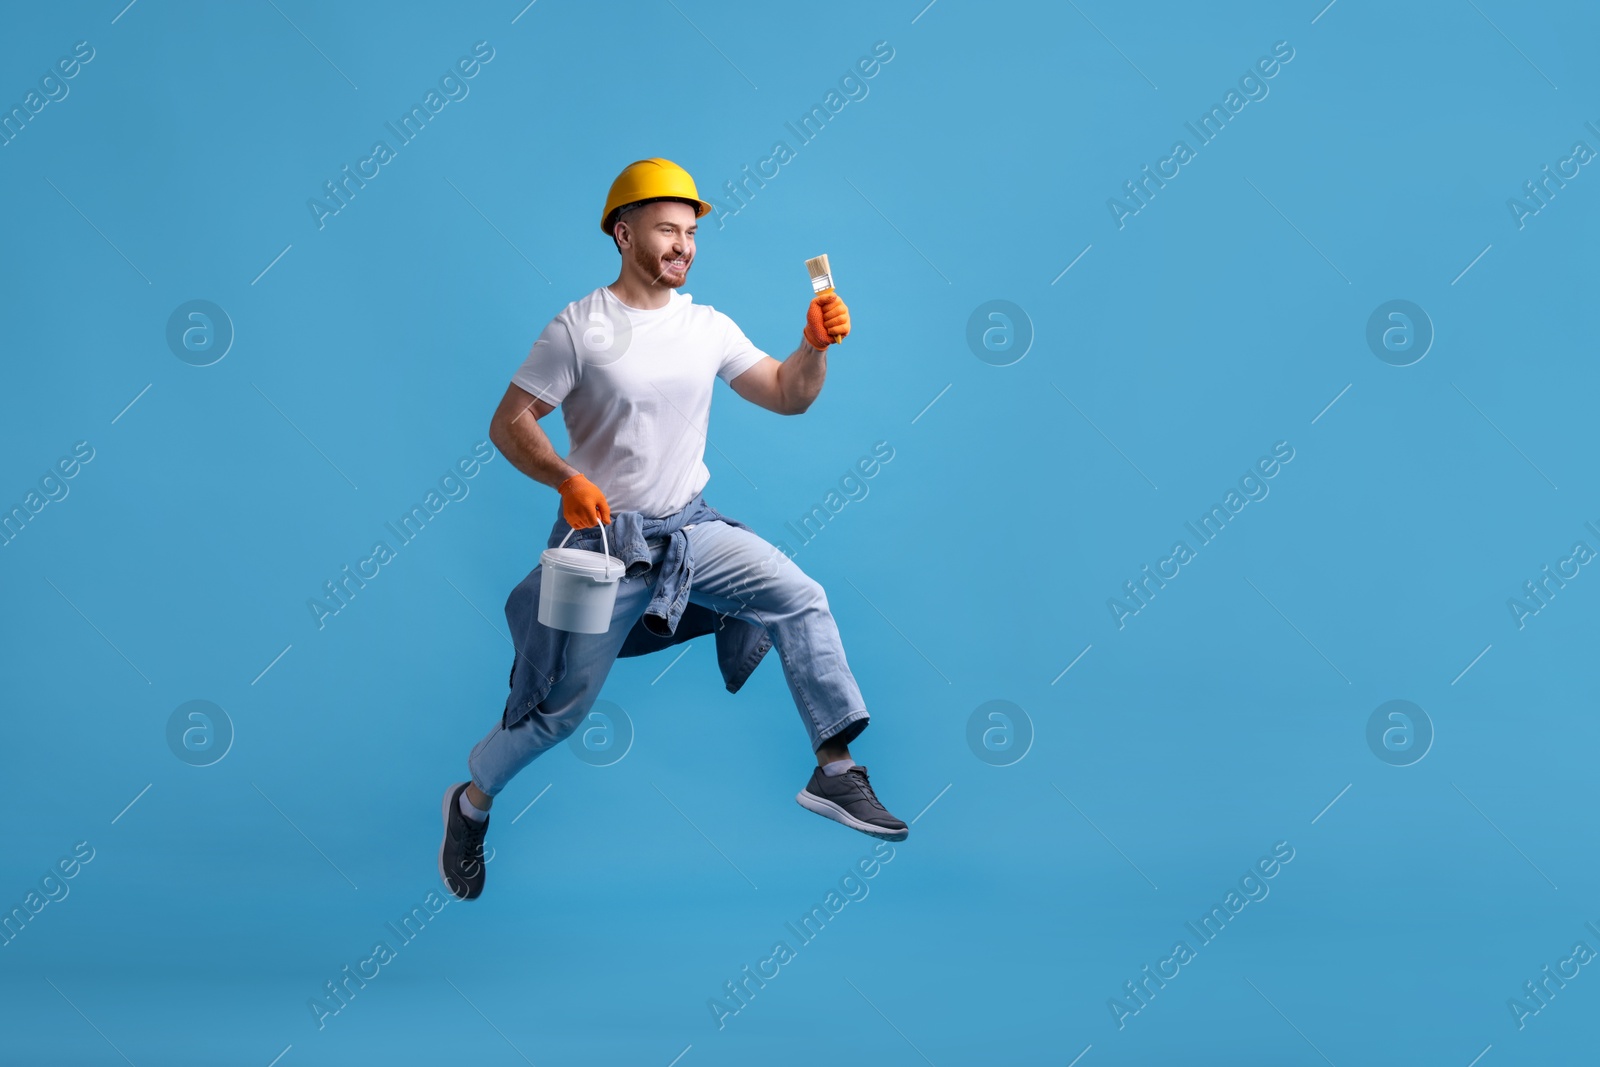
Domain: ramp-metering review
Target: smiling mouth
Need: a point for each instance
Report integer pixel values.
(676, 266)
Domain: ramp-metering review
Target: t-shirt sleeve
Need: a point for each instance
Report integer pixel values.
(739, 354)
(551, 369)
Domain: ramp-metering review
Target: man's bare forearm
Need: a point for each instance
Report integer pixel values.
(800, 377)
(522, 440)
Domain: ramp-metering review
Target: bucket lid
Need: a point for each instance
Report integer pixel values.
(592, 564)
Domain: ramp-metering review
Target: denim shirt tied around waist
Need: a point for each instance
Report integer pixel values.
(668, 619)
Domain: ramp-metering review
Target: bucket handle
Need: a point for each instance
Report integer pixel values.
(605, 549)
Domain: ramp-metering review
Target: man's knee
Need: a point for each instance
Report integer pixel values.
(757, 561)
(769, 580)
(804, 591)
(789, 591)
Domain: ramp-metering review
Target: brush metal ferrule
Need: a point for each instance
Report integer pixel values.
(821, 282)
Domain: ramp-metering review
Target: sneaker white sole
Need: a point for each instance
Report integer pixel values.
(828, 809)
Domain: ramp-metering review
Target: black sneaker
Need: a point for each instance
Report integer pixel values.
(848, 798)
(461, 863)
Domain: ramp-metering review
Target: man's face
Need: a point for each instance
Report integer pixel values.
(661, 241)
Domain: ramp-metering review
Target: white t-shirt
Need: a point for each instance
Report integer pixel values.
(634, 387)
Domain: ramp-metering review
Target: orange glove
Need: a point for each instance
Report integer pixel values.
(581, 500)
(827, 320)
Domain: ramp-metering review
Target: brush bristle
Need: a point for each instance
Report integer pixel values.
(821, 276)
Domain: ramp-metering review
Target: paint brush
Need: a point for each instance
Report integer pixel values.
(821, 282)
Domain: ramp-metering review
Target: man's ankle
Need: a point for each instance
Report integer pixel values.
(478, 798)
(832, 754)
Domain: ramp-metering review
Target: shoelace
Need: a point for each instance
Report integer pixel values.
(472, 838)
(864, 785)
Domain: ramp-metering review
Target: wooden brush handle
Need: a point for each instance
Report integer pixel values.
(836, 338)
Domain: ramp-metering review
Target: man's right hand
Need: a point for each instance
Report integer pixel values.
(582, 503)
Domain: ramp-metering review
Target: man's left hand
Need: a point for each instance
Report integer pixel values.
(826, 318)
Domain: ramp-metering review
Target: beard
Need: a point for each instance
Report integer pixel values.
(650, 263)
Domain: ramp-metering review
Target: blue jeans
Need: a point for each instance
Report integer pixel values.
(736, 573)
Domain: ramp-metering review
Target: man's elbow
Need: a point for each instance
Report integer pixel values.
(797, 405)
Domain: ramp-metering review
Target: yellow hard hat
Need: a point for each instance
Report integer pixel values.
(648, 179)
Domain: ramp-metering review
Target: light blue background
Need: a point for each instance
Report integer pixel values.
(1222, 719)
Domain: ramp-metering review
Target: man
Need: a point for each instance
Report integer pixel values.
(632, 366)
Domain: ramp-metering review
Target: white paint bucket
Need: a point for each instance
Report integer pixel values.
(578, 588)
